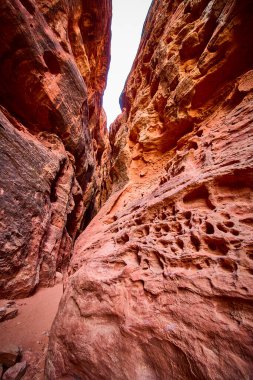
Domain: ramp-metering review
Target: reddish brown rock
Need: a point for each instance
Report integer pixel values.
(16, 372)
(162, 278)
(6, 313)
(83, 30)
(9, 355)
(54, 149)
(36, 193)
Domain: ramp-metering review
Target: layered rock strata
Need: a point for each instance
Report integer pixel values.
(54, 57)
(161, 280)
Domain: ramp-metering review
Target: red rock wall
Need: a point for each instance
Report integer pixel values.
(54, 57)
(162, 278)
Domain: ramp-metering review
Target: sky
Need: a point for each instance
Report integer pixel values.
(127, 22)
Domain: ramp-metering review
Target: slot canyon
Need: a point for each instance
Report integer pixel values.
(147, 225)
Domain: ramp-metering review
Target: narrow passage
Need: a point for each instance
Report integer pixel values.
(127, 22)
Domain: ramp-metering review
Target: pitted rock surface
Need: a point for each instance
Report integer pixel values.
(161, 280)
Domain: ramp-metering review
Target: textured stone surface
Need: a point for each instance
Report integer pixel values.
(6, 314)
(16, 372)
(52, 145)
(9, 355)
(162, 278)
(83, 30)
(36, 188)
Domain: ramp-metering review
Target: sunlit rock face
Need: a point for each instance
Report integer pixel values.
(54, 57)
(162, 278)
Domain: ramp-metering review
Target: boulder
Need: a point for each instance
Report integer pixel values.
(9, 355)
(6, 313)
(15, 372)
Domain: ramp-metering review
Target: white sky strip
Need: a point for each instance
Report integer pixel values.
(127, 22)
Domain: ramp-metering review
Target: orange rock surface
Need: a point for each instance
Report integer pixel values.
(161, 280)
(54, 57)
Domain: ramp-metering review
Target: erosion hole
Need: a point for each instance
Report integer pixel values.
(195, 242)
(250, 256)
(52, 62)
(228, 265)
(188, 215)
(138, 221)
(163, 216)
(146, 230)
(217, 244)
(209, 228)
(166, 228)
(154, 87)
(221, 227)
(123, 239)
(28, 6)
(229, 224)
(180, 243)
(200, 196)
(193, 145)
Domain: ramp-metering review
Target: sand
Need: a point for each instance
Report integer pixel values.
(30, 329)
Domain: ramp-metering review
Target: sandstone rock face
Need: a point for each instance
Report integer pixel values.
(162, 278)
(16, 372)
(53, 137)
(9, 355)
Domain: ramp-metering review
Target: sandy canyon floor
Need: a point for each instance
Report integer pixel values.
(30, 329)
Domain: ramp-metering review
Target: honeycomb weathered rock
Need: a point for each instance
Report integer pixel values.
(162, 278)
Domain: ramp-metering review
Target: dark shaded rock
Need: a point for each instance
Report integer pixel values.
(16, 372)
(9, 355)
(2, 312)
(6, 314)
(11, 304)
